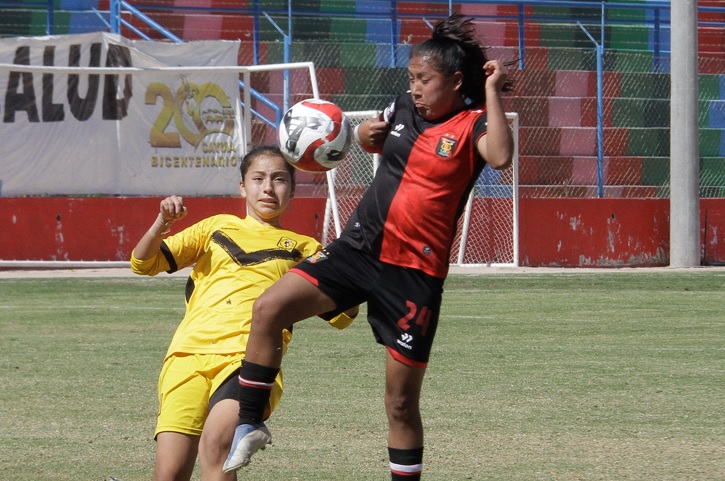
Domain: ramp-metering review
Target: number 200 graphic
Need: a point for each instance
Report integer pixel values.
(195, 110)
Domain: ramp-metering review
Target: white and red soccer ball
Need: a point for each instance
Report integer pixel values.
(314, 135)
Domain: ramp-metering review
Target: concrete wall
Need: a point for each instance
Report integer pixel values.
(554, 232)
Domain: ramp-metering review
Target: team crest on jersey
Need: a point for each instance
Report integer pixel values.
(287, 244)
(446, 146)
(318, 256)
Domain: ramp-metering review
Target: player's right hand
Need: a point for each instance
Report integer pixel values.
(172, 208)
(378, 131)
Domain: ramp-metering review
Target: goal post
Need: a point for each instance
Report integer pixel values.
(487, 233)
(142, 127)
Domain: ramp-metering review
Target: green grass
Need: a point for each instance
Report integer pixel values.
(606, 376)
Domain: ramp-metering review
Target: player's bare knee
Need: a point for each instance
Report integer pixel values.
(266, 313)
(402, 409)
(214, 448)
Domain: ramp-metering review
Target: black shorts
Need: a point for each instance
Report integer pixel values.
(403, 304)
(229, 389)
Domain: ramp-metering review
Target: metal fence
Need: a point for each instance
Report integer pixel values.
(591, 78)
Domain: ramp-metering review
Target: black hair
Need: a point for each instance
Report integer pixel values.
(255, 152)
(454, 47)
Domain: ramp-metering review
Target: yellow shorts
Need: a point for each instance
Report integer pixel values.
(186, 383)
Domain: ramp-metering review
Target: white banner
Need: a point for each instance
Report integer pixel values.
(139, 133)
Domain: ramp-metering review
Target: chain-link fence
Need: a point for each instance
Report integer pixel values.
(553, 66)
(556, 98)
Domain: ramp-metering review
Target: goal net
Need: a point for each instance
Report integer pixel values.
(487, 232)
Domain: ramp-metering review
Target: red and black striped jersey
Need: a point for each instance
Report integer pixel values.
(408, 215)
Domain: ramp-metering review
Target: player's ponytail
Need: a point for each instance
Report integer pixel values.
(454, 47)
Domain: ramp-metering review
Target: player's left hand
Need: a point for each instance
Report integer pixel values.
(496, 74)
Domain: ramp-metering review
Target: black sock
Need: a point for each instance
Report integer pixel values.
(405, 464)
(255, 388)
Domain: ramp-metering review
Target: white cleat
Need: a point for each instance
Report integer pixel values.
(248, 439)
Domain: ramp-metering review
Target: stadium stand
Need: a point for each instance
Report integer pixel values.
(349, 42)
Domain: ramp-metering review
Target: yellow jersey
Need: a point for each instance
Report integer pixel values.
(235, 260)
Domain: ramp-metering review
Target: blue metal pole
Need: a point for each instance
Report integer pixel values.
(521, 36)
(600, 110)
(600, 121)
(115, 13)
(393, 33)
(287, 47)
(286, 44)
(150, 22)
(255, 33)
(600, 102)
(50, 18)
(656, 40)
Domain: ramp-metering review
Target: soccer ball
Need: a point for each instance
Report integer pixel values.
(314, 135)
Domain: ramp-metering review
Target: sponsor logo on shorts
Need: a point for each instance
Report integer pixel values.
(405, 340)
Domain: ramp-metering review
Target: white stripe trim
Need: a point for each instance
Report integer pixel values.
(406, 468)
(255, 383)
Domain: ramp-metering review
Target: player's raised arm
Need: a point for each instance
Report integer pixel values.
(497, 146)
(171, 209)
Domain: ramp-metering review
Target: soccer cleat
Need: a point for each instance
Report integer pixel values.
(248, 439)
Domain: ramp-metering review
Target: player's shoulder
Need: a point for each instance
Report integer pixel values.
(300, 238)
(476, 110)
(219, 221)
(301, 243)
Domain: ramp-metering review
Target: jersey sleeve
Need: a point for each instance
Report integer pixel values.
(480, 127)
(389, 113)
(148, 267)
(178, 251)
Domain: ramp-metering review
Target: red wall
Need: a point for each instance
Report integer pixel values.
(553, 232)
(594, 232)
(610, 232)
(107, 228)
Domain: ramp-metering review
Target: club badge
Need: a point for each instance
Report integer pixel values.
(446, 146)
(287, 244)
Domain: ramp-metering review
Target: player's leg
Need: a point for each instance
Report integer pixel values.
(403, 313)
(220, 427)
(403, 384)
(175, 456)
(291, 299)
(216, 440)
(333, 280)
(183, 401)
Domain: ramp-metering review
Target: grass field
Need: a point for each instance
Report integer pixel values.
(605, 376)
